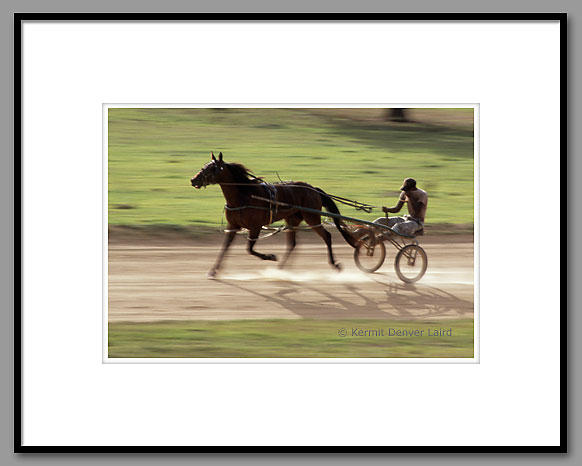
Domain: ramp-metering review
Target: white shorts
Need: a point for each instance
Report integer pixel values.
(403, 225)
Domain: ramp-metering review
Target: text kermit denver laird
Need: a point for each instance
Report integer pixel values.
(393, 332)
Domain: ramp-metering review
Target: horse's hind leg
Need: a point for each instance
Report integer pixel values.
(314, 221)
(231, 233)
(253, 235)
(292, 222)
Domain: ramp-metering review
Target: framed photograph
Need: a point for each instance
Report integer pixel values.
(290, 232)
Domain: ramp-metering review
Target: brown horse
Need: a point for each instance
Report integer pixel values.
(245, 211)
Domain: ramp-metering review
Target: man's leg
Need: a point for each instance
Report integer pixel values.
(407, 227)
(389, 222)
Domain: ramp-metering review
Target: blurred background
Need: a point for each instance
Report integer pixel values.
(358, 153)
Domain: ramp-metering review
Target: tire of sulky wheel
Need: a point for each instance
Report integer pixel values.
(420, 254)
(379, 249)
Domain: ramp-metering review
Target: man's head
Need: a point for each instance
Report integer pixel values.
(408, 184)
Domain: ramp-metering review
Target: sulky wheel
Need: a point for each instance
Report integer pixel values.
(411, 263)
(370, 253)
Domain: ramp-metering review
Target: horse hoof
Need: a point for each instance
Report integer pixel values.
(211, 274)
(270, 257)
(338, 266)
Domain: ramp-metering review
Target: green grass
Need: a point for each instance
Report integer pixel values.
(302, 338)
(154, 152)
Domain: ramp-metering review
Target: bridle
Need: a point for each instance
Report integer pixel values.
(209, 178)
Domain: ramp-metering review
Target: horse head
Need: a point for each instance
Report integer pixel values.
(209, 173)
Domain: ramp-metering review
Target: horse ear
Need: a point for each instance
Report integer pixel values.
(220, 157)
(212, 156)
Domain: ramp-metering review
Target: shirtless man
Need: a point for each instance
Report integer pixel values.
(416, 200)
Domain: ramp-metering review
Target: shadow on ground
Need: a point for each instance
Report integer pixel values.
(406, 301)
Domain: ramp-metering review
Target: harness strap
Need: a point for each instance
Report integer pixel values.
(227, 207)
(272, 191)
(273, 208)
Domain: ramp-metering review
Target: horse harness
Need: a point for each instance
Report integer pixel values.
(273, 208)
(272, 191)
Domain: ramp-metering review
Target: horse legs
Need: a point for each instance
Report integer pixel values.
(253, 235)
(290, 246)
(231, 233)
(314, 221)
(292, 222)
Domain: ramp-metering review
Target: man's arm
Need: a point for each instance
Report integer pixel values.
(394, 209)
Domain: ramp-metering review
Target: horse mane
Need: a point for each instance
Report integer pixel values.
(242, 174)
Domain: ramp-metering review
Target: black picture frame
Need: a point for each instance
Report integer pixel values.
(19, 18)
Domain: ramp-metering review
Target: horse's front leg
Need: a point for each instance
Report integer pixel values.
(230, 234)
(253, 235)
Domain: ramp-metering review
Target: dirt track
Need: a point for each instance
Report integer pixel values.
(151, 281)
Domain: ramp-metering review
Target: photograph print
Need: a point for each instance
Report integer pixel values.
(291, 233)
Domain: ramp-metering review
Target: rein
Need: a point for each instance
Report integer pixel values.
(342, 200)
(355, 204)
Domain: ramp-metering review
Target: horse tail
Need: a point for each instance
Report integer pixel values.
(332, 208)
